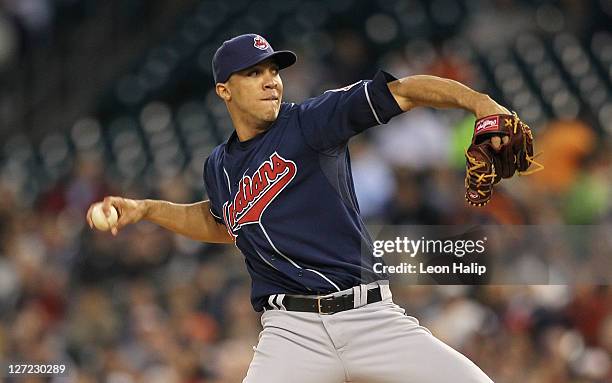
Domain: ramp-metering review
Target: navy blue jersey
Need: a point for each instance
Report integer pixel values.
(287, 194)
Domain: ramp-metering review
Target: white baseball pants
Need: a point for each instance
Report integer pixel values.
(376, 343)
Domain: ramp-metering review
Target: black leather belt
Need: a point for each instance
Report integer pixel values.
(325, 305)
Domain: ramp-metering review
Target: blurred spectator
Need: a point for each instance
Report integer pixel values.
(565, 144)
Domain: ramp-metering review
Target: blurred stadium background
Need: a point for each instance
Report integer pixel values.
(116, 97)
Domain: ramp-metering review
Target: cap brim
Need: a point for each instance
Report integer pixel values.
(284, 59)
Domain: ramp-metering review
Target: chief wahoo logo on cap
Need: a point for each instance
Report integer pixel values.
(260, 43)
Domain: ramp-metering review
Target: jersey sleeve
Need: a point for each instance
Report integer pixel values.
(330, 119)
(211, 189)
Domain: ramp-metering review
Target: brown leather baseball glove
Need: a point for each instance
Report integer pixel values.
(487, 164)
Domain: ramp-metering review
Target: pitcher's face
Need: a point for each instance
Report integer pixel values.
(257, 91)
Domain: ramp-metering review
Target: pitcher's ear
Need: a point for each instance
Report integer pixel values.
(223, 91)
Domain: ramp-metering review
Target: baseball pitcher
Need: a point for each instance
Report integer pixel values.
(280, 189)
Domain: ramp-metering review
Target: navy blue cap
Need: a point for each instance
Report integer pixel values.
(245, 51)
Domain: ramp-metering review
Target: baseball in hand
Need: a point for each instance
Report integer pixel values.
(100, 220)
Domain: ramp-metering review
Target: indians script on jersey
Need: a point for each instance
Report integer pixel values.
(257, 192)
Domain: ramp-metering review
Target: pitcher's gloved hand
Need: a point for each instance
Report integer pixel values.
(501, 145)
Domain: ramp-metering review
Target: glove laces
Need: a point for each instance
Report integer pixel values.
(472, 174)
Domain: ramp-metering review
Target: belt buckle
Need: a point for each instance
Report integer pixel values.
(319, 298)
